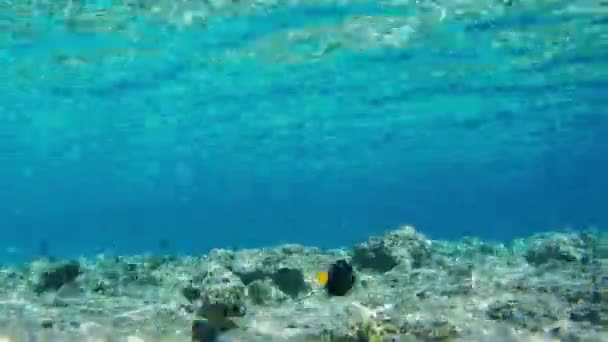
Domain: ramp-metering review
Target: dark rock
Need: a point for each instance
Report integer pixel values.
(431, 330)
(100, 287)
(57, 277)
(500, 311)
(530, 314)
(586, 312)
(282, 266)
(290, 281)
(403, 247)
(47, 324)
(203, 331)
(249, 278)
(222, 286)
(263, 292)
(191, 293)
(561, 248)
(374, 255)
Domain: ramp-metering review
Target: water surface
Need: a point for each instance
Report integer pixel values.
(247, 123)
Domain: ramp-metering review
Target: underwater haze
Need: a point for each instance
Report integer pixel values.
(134, 126)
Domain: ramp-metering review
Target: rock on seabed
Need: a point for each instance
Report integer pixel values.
(548, 287)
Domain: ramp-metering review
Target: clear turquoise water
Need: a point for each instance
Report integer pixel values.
(216, 124)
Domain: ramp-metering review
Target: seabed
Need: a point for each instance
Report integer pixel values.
(548, 287)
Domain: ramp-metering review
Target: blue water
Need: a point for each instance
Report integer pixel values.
(134, 127)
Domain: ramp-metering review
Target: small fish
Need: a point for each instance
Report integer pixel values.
(339, 279)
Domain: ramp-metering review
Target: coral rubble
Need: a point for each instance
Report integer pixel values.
(550, 287)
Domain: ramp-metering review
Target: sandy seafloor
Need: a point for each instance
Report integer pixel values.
(548, 287)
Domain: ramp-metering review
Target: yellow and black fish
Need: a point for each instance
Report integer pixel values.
(339, 279)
